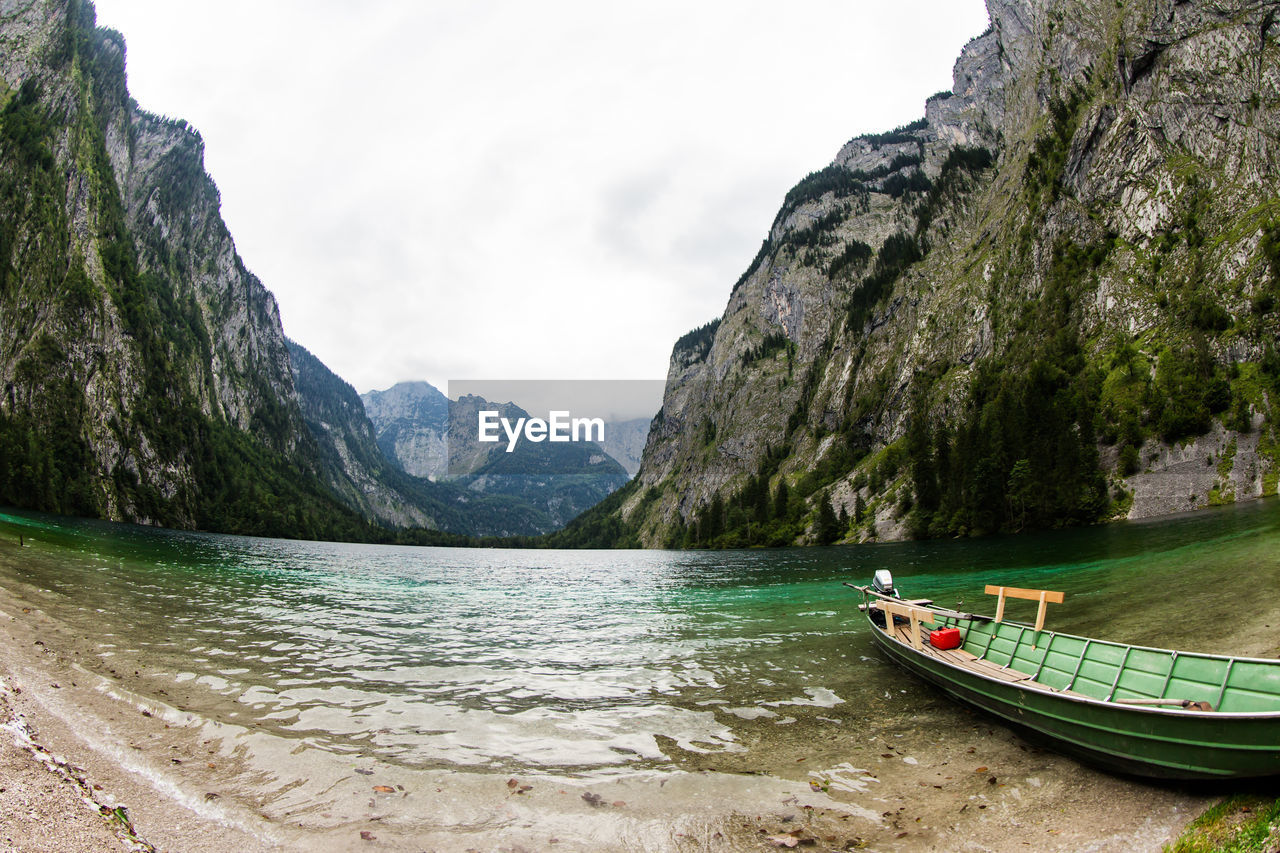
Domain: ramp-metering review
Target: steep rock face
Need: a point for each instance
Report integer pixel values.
(159, 168)
(468, 455)
(354, 465)
(412, 422)
(625, 441)
(146, 376)
(1008, 313)
(144, 371)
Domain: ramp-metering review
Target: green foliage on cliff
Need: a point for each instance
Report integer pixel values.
(1266, 300)
(961, 164)
(245, 487)
(1025, 452)
(768, 510)
(898, 178)
(898, 252)
(902, 249)
(837, 180)
(46, 461)
(1023, 457)
(897, 136)
(899, 184)
(753, 516)
(818, 233)
(1048, 158)
(773, 343)
(851, 258)
(32, 221)
(27, 130)
(88, 431)
(1189, 389)
(829, 526)
(766, 246)
(698, 341)
(602, 526)
(44, 458)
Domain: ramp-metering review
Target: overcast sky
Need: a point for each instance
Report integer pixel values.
(531, 190)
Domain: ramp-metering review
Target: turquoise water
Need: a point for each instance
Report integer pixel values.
(588, 660)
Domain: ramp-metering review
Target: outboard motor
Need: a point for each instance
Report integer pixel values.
(882, 583)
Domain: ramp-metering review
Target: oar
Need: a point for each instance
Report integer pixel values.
(954, 614)
(1190, 704)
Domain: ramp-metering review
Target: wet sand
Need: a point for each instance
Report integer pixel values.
(94, 741)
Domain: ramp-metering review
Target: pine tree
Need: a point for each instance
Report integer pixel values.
(782, 501)
(714, 519)
(761, 500)
(828, 526)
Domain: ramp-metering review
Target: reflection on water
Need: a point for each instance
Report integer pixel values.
(430, 656)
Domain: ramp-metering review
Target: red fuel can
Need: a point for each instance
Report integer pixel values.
(945, 638)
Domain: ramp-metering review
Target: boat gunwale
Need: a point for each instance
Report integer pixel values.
(1091, 751)
(1078, 697)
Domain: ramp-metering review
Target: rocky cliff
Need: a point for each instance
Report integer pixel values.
(625, 440)
(144, 370)
(353, 464)
(1053, 300)
(411, 421)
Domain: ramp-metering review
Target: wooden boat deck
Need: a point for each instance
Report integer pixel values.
(1075, 673)
(959, 657)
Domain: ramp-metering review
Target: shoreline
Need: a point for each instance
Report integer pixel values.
(1170, 508)
(197, 785)
(897, 767)
(42, 791)
(55, 741)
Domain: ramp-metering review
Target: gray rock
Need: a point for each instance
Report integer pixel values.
(1175, 119)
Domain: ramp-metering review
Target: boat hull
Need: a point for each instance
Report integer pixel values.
(1182, 745)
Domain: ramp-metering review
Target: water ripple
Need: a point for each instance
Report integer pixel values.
(489, 657)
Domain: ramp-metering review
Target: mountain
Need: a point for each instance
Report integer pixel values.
(411, 421)
(427, 435)
(355, 468)
(353, 463)
(624, 441)
(145, 374)
(1053, 300)
(563, 480)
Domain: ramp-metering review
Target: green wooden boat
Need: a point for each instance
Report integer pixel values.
(1135, 710)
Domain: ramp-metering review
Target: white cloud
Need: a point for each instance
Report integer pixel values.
(531, 190)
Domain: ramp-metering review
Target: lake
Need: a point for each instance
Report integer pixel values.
(586, 665)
